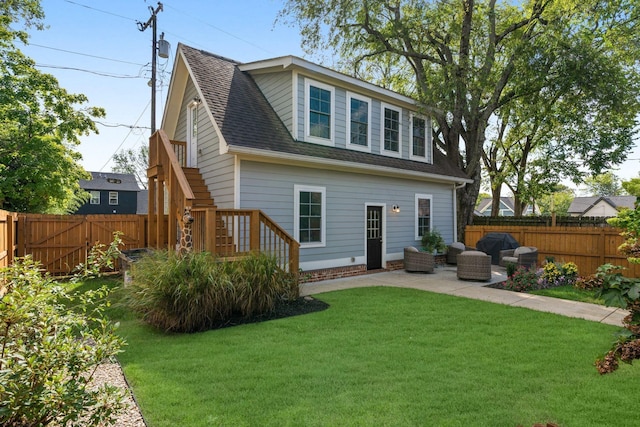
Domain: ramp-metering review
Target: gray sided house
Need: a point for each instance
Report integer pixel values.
(110, 193)
(347, 168)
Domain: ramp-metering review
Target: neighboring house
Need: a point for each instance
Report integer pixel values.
(600, 205)
(347, 168)
(111, 193)
(506, 207)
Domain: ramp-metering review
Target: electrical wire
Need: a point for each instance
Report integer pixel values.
(98, 73)
(100, 10)
(85, 54)
(125, 138)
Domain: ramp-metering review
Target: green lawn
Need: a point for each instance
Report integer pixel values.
(382, 356)
(570, 293)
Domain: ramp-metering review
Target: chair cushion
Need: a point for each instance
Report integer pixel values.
(457, 245)
(473, 253)
(510, 259)
(522, 250)
(411, 249)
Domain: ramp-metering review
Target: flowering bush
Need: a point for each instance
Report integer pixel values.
(523, 280)
(555, 274)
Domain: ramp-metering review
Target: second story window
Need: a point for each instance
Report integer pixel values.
(391, 130)
(359, 111)
(319, 112)
(420, 139)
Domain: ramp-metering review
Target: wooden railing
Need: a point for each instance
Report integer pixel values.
(229, 233)
(223, 232)
(165, 170)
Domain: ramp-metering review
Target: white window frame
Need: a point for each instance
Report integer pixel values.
(113, 198)
(365, 148)
(428, 149)
(416, 224)
(382, 149)
(297, 189)
(193, 117)
(307, 110)
(95, 197)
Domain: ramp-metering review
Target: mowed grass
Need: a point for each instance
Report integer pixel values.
(568, 292)
(383, 357)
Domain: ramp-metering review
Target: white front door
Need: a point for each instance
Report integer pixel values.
(192, 135)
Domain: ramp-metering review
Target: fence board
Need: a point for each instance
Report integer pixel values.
(61, 242)
(588, 247)
(8, 226)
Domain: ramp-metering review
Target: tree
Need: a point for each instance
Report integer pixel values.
(133, 162)
(40, 125)
(467, 57)
(557, 201)
(606, 184)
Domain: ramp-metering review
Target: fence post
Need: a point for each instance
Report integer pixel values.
(254, 231)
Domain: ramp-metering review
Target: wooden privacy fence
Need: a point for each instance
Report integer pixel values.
(587, 247)
(8, 242)
(61, 242)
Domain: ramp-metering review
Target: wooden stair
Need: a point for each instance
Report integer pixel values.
(200, 191)
(224, 241)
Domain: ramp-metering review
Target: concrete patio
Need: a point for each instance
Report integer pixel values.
(444, 280)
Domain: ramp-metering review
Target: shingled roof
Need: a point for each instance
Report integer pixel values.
(247, 120)
(110, 181)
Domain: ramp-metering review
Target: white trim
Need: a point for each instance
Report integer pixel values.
(365, 148)
(284, 62)
(428, 137)
(296, 215)
(415, 213)
(330, 164)
(236, 183)
(390, 153)
(332, 119)
(117, 198)
(384, 232)
(294, 105)
(332, 263)
(192, 140)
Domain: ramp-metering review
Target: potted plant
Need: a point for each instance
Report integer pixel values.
(432, 242)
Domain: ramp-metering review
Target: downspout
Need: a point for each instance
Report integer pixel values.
(455, 208)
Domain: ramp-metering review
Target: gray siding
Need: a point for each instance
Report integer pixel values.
(277, 88)
(271, 188)
(217, 170)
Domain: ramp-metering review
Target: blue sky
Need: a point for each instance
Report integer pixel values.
(81, 33)
(94, 47)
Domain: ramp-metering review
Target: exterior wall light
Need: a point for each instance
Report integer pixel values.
(395, 209)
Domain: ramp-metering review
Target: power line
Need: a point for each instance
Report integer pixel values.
(99, 73)
(117, 125)
(218, 29)
(127, 136)
(86, 54)
(100, 10)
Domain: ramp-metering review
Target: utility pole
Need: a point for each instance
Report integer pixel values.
(163, 54)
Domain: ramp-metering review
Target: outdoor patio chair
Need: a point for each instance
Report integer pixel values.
(474, 265)
(419, 262)
(524, 256)
(454, 249)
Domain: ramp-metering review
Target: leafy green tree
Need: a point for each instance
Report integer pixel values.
(40, 125)
(606, 184)
(471, 59)
(133, 162)
(557, 201)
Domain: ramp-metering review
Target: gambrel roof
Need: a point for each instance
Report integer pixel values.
(248, 125)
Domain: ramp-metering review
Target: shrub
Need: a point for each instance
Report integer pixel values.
(620, 291)
(195, 292)
(523, 280)
(555, 274)
(51, 343)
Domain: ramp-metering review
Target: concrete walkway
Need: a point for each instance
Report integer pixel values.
(445, 281)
